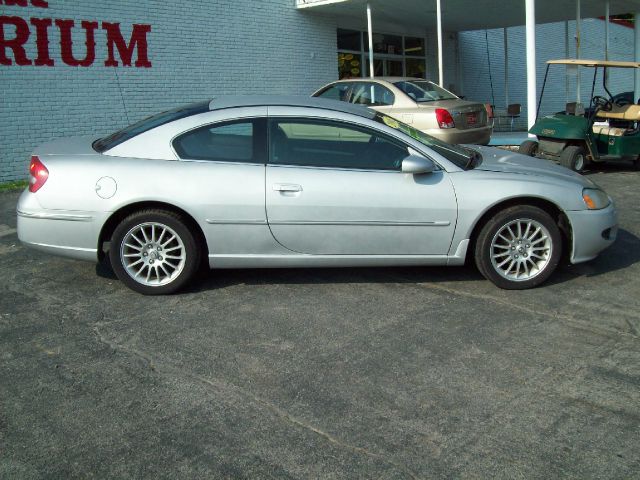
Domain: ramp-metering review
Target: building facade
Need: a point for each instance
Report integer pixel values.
(77, 67)
(196, 49)
(477, 66)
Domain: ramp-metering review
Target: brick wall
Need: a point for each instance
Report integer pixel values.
(550, 45)
(198, 49)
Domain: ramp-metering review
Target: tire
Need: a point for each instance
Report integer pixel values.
(528, 148)
(574, 158)
(636, 163)
(507, 259)
(154, 252)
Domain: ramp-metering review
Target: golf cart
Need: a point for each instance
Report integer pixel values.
(608, 130)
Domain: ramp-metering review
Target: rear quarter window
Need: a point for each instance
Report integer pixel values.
(241, 141)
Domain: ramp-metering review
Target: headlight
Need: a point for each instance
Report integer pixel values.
(594, 198)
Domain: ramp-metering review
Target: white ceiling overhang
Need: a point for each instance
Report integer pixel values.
(461, 15)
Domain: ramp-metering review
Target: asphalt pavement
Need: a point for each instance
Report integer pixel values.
(395, 373)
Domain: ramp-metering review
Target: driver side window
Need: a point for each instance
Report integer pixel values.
(332, 144)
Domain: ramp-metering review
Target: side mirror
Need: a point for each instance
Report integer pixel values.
(416, 164)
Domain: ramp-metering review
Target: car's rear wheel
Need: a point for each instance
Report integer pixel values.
(153, 252)
(528, 148)
(519, 247)
(574, 158)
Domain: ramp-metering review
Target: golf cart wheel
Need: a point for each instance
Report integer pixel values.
(518, 248)
(574, 158)
(528, 148)
(636, 163)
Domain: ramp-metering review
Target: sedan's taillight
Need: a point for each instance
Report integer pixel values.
(444, 118)
(38, 173)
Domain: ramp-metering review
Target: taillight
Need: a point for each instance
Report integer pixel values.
(39, 174)
(444, 118)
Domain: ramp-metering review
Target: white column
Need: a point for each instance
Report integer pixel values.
(439, 21)
(636, 50)
(459, 82)
(530, 8)
(566, 68)
(606, 30)
(578, 40)
(370, 33)
(506, 67)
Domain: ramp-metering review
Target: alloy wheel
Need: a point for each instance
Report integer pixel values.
(153, 254)
(521, 249)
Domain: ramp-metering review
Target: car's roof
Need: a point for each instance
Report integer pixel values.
(382, 79)
(232, 101)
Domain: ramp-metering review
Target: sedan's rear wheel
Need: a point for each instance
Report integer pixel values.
(153, 252)
(519, 248)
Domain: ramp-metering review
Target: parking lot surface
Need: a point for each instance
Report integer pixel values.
(327, 373)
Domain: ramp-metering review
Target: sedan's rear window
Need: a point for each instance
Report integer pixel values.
(107, 143)
(424, 91)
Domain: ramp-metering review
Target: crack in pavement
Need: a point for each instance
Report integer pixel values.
(555, 316)
(220, 385)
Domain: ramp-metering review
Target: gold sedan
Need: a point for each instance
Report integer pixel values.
(419, 103)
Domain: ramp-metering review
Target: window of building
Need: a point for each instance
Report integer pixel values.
(414, 46)
(331, 144)
(385, 67)
(349, 40)
(349, 65)
(415, 67)
(394, 55)
(227, 142)
(389, 44)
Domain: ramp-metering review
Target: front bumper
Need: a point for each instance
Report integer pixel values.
(592, 232)
(60, 232)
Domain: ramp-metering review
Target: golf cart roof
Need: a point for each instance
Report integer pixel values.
(595, 63)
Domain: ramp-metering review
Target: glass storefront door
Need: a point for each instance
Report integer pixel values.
(385, 67)
(393, 55)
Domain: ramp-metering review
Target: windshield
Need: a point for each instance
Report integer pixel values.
(147, 124)
(424, 91)
(462, 157)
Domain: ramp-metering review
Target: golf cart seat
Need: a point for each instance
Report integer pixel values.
(630, 113)
(607, 130)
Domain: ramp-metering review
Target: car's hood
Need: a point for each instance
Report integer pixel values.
(498, 160)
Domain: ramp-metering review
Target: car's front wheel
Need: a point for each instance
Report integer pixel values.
(153, 252)
(519, 247)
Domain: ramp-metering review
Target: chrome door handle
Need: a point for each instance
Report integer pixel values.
(287, 187)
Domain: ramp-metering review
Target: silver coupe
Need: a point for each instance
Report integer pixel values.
(249, 182)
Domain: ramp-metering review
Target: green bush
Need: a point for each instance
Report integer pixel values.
(15, 185)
